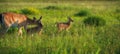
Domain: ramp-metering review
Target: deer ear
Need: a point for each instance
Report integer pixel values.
(69, 17)
(40, 18)
(34, 18)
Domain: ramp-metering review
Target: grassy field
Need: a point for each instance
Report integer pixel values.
(51, 0)
(80, 39)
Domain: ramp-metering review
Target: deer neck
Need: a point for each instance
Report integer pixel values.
(39, 26)
(69, 22)
(29, 21)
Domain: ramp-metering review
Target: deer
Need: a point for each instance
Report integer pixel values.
(9, 19)
(64, 25)
(36, 29)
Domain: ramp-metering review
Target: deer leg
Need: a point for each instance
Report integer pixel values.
(20, 31)
(60, 29)
(67, 29)
(25, 27)
(4, 30)
(40, 32)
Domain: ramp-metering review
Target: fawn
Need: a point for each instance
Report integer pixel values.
(36, 29)
(64, 25)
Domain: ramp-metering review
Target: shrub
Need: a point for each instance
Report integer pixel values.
(52, 8)
(84, 12)
(12, 30)
(118, 18)
(16, 11)
(117, 10)
(94, 21)
(30, 11)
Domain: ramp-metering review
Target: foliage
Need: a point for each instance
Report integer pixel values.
(118, 18)
(52, 8)
(30, 11)
(84, 12)
(94, 21)
(117, 10)
(12, 30)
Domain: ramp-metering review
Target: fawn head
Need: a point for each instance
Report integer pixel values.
(34, 21)
(38, 22)
(70, 20)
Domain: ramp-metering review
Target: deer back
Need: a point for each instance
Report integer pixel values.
(9, 19)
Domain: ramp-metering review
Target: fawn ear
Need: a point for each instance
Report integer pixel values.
(40, 18)
(34, 18)
(69, 17)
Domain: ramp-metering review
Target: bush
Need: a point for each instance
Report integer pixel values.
(52, 8)
(118, 18)
(117, 10)
(94, 21)
(30, 11)
(16, 11)
(84, 12)
(12, 30)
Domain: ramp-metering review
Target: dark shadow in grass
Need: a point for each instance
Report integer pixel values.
(117, 51)
(58, 8)
(118, 18)
(83, 12)
(94, 21)
(52, 8)
(117, 10)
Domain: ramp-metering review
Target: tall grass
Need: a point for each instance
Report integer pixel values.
(80, 39)
(51, 0)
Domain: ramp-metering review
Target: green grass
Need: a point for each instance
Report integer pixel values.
(56, 1)
(80, 39)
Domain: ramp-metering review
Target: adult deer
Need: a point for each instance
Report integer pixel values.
(36, 29)
(8, 20)
(64, 25)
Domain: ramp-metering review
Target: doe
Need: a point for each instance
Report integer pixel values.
(9, 19)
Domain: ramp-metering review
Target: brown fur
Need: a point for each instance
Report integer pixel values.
(64, 25)
(9, 19)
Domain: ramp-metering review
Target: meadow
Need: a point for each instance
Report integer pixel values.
(80, 39)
